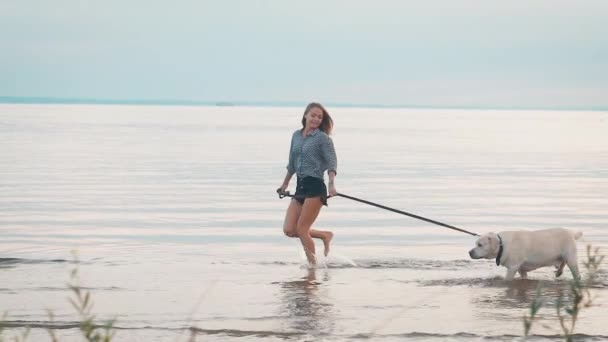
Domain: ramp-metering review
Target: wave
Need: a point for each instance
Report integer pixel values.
(469, 336)
(415, 264)
(60, 289)
(14, 261)
(245, 333)
(462, 336)
(43, 325)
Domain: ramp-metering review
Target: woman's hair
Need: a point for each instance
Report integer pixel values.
(327, 124)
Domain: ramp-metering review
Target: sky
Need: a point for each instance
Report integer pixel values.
(465, 53)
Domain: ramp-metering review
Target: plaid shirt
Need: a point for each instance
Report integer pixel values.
(311, 155)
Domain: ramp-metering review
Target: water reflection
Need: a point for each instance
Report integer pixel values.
(519, 293)
(523, 291)
(306, 303)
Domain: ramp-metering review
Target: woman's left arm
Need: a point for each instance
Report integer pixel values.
(332, 187)
(329, 153)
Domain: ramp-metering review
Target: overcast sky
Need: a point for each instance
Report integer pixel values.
(549, 53)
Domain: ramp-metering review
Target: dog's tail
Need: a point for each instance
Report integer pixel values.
(577, 235)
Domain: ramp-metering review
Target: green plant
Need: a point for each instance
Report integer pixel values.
(50, 330)
(2, 326)
(81, 301)
(537, 303)
(580, 297)
(21, 338)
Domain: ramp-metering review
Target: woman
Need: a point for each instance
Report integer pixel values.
(310, 155)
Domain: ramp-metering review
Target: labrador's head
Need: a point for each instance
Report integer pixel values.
(486, 246)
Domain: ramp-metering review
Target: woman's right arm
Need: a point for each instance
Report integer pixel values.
(286, 181)
(291, 168)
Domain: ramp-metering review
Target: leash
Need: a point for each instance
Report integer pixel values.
(288, 194)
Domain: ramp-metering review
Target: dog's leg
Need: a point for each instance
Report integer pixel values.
(523, 274)
(572, 261)
(560, 269)
(510, 274)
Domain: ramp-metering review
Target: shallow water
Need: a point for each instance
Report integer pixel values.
(173, 213)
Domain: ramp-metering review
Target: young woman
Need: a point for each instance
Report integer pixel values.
(310, 155)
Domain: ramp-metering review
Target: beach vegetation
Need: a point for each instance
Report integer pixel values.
(571, 299)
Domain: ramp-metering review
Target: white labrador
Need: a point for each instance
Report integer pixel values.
(524, 251)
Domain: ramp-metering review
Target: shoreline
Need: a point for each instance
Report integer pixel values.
(223, 103)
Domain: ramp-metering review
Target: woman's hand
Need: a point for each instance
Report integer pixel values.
(332, 189)
(282, 188)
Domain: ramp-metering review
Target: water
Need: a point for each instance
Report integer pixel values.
(173, 213)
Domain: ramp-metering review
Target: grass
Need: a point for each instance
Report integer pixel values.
(80, 299)
(89, 326)
(568, 308)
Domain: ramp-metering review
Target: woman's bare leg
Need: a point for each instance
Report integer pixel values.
(324, 235)
(308, 215)
(291, 218)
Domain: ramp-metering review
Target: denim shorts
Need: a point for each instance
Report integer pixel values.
(310, 187)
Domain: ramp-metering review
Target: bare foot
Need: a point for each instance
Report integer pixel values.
(327, 241)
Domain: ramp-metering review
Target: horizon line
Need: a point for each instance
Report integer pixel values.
(224, 103)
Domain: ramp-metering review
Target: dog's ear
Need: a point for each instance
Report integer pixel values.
(493, 242)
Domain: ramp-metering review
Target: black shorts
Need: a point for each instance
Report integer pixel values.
(310, 187)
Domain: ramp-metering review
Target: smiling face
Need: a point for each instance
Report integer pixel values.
(313, 117)
(485, 247)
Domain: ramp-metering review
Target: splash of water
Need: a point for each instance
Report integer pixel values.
(340, 260)
(332, 260)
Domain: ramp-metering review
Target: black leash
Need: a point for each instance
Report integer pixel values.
(287, 194)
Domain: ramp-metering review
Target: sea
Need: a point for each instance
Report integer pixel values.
(164, 221)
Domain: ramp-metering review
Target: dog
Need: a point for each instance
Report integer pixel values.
(524, 251)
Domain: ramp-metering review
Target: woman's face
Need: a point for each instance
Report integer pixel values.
(314, 116)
